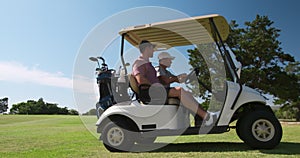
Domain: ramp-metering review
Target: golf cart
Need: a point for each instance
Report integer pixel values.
(124, 123)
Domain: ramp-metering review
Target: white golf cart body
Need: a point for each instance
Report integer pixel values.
(167, 119)
(177, 117)
(151, 116)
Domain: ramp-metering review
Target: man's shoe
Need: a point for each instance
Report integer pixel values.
(217, 113)
(210, 119)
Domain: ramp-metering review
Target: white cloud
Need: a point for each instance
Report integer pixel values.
(17, 72)
(83, 84)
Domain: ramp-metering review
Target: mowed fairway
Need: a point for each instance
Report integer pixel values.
(66, 136)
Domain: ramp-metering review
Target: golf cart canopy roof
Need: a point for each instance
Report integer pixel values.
(179, 32)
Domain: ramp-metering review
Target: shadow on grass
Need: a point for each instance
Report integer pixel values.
(204, 147)
(284, 148)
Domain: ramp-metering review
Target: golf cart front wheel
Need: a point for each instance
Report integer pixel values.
(260, 129)
(117, 138)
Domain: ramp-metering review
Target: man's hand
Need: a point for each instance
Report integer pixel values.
(182, 77)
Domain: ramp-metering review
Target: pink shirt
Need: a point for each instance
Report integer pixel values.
(144, 67)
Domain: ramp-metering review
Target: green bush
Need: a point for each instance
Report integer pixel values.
(286, 112)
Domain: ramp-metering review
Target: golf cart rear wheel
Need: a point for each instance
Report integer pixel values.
(260, 129)
(116, 137)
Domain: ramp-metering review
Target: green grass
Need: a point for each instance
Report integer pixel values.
(66, 136)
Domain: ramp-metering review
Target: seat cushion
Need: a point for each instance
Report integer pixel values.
(133, 83)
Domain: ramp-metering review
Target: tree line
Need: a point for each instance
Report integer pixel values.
(40, 107)
(3, 105)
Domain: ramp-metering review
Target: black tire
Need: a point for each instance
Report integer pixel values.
(146, 140)
(116, 138)
(260, 129)
(238, 128)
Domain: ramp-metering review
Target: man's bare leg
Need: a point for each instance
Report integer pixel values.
(188, 101)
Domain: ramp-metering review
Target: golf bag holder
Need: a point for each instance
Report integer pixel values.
(106, 96)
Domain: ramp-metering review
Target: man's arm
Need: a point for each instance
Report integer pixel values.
(168, 80)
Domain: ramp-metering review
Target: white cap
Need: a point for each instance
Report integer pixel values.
(165, 55)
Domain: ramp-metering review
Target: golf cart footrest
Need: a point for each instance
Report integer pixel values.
(188, 131)
(206, 130)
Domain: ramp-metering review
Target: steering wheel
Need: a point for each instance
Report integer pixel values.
(190, 76)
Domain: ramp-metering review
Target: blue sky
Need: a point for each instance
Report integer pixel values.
(40, 39)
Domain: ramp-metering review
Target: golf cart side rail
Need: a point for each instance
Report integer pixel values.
(228, 60)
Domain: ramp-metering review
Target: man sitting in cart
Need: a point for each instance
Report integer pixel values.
(166, 77)
(145, 74)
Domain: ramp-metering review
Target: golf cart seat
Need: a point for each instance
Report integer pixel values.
(136, 89)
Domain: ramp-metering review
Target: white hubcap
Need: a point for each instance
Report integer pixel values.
(115, 136)
(263, 130)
